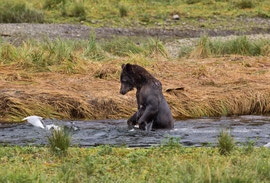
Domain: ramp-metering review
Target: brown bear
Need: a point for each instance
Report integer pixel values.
(153, 110)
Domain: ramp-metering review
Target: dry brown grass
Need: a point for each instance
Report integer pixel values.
(233, 85)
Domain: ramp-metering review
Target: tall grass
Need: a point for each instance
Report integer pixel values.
(59, 141)
(93, 49)
(71, 56)
(18, 12)
(121, 47)
(203, 48)
(206, 47)
(225, 143)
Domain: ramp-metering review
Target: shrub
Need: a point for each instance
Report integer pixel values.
(225, 143)
(18, 12)
(78, 10)
(59, 141)
(123, 11)
(243, 4)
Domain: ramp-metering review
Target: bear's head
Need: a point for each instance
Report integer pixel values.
(133, 75)
(126, 79)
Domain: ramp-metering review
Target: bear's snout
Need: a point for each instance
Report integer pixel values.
(123, 93)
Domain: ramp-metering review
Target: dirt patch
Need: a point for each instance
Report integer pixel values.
(208, 87)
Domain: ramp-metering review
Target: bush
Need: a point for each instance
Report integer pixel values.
(18, 12)
(243, 4)
(225, 143)
(78, 10)
(123, 11)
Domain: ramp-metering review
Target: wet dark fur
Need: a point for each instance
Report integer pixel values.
(152, 106)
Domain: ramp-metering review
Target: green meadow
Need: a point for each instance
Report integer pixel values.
(132, 13)
(169, 162)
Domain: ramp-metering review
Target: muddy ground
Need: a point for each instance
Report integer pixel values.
(232, 85)
(239, 26)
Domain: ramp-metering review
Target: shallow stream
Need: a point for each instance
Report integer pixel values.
(192, 132)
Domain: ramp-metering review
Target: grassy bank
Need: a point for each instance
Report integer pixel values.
(170, 163)
(80, 79)
(133, 13)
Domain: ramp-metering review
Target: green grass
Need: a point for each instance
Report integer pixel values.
(139, 13)
(59, 141)
(19, 12)
(241, 45)
(226, 143)
(71, 56)
(78, 10)
(109, 164)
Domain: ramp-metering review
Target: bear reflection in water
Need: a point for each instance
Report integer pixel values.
(153, 110)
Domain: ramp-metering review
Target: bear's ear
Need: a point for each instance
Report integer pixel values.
(128, 67)
(123, 66)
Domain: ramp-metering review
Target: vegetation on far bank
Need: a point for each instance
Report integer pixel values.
(170, 162)
(74, 56)
(132, 13)
(67, 79)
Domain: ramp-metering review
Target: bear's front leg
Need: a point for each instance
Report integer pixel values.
(132, 121)
(147, 119)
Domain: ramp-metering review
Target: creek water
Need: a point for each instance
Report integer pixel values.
(192, 132)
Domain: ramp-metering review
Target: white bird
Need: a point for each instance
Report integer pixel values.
(267, 145)
(36, 121)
